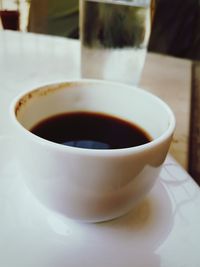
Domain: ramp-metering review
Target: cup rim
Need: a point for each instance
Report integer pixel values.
(87, 151)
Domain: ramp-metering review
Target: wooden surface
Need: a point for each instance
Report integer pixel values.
(170, 79)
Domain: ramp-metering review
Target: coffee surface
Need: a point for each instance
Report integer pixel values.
(91, 130)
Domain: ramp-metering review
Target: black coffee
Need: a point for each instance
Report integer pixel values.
(91, 130)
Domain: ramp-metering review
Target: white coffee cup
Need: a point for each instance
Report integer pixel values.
(91, 185)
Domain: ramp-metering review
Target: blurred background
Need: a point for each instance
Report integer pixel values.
(175, 24)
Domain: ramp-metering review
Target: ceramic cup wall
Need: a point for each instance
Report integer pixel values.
(88, 184)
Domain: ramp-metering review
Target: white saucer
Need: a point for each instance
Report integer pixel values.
(154, 234)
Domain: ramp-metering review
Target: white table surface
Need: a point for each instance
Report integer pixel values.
(163, 231)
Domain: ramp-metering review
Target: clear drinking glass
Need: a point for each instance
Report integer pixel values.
(114, 38)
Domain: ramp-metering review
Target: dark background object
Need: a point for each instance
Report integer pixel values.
(176, 28)
(10, 19)
(194, 146)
